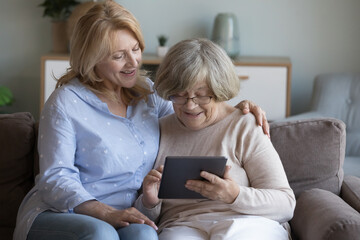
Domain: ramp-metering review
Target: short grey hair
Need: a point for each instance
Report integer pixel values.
(194, 60)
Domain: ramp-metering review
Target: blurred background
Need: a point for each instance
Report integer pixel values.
(319, 36)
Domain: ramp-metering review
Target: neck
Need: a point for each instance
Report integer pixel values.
(115, 106)
(223, 110)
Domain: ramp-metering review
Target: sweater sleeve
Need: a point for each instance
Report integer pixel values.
(151, 213)
(268, 194)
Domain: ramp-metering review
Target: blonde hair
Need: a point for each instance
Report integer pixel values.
(92, 41)
(194, 60)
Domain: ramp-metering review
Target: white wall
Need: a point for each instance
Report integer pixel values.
(24, 37)
(319, 36)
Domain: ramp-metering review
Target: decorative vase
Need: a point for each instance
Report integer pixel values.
(59, 37)
(162, 50)
(226, 33)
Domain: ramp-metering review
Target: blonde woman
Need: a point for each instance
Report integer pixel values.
(98, 137)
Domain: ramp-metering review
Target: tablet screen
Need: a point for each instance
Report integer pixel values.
(179, 169)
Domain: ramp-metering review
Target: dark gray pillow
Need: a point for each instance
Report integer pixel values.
(17, 141)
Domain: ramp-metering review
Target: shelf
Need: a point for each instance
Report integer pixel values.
(259, 76)
(153, 59)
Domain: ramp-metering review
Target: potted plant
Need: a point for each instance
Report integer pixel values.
(162, 48)
(59, 11)
(6, 97)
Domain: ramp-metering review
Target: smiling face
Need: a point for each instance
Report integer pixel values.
(195, 116)
(120, 68)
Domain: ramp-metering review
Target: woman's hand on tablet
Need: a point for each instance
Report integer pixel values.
(215, 188)
(151, 186)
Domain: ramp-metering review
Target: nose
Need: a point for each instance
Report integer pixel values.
(190, 104)
(132, 60)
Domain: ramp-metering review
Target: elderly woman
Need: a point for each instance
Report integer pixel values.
(253, 200)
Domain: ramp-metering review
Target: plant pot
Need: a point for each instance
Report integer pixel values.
(162, 50)
(59, 37)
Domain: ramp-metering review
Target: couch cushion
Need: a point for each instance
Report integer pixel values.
(320, 214)
(17, 139)
(337, 95)
(312, 152)
(350, 191)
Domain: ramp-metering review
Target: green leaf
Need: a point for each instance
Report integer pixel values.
(162, 40)
(6, 96)
(58, 9)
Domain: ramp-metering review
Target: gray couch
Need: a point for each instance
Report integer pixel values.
(312, 152)
(337, 95)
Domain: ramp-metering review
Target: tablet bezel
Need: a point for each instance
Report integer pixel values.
(179, 169)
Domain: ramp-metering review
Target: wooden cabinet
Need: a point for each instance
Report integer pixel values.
(267, 82)
(52, 67)
(264, 80)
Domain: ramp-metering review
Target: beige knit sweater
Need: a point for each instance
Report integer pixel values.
(255, 166)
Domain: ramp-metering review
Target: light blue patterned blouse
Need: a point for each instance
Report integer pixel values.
(86, 152)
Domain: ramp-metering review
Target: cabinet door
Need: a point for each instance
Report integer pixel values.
(53, 69)
(265, 86)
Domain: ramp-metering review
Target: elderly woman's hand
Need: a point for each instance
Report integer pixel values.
(216, 188)
(247, 106)
(151, 186)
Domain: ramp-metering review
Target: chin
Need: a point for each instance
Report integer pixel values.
(129, 84)
(191, 123)
(194, 126)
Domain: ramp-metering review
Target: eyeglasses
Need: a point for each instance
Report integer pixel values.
(201, 100)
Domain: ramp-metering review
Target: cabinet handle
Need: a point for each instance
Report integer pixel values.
(243, 77)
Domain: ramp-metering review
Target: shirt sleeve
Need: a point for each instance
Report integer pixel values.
(59, 180)
(269, 193)
(164, 107)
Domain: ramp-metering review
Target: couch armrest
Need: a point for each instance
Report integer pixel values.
(320, 214)
(17, 140)
(350, 191)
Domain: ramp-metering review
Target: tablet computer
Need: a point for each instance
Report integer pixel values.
(179, 169)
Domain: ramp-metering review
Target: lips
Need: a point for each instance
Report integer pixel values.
(128, 72)
(192, 114)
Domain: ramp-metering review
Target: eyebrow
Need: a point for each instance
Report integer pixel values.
(203, 88)
(206, 88)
